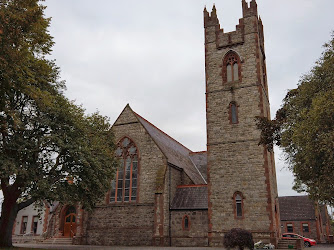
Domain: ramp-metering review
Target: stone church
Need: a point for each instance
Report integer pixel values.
(164, 194)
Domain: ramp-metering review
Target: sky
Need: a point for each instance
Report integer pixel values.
(150, 54)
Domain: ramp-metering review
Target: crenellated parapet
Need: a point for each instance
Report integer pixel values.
(249, 23)
(251, 10)
(228, 39)
(211, 19)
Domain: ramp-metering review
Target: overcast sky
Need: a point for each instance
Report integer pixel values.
(150, 54)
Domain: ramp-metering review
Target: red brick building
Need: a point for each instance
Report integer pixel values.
(302, 216)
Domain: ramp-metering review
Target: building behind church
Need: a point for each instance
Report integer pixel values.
(163, 193)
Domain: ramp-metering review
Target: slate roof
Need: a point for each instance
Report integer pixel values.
(176, 153)
(200, 159)
(296, 208)
(190, 197)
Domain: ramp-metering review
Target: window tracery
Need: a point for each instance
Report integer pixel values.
(124, 186)
(231, 67)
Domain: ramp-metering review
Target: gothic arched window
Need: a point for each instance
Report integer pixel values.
(233, 113)
(124, 186)
(186, 222)
(238, 205)
(231, 67)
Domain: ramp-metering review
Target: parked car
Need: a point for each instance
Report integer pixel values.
(307, 241)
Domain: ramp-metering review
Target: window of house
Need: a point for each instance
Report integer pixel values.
(238, 205)
(24, 224)
(231, 67)
(34, 224)
(124, 186)
(289, 227)
(186, 222)
(233, 113)
(238, 202)
(305, 227)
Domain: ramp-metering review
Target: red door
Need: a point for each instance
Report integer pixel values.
(70, 226)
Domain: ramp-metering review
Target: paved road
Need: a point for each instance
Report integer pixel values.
(85, 247)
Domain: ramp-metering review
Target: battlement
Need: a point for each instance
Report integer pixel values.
(245, 26)
(231, 38)
(250, 10)
(211, 19)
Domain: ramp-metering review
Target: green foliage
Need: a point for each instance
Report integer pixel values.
(304, 128)
(45, 140)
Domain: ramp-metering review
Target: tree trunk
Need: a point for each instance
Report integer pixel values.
(8, 216)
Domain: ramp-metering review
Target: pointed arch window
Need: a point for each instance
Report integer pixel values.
(233, 113)
(238, 205)
(124, 186)
(231, 67)
(186, 222)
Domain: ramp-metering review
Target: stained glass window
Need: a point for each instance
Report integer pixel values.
(124, 187)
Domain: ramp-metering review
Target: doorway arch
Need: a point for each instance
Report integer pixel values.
(69, 221)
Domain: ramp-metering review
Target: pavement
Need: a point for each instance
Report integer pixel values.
(85, 247)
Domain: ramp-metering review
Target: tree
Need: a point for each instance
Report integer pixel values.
(304, 129)
(49, 148)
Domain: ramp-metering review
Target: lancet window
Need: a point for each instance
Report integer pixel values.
(124, 186)
(231, 67)
(238, 205)
(233, 113)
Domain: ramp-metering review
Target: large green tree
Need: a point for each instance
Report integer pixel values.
(49, 148)
(304, 129)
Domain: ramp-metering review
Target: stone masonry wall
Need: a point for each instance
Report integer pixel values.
(151, 159)
(130, 225)
(133, 223)
(173, 178)
(235, 161)
(197, 233)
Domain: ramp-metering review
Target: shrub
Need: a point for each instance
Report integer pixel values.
(238, 237)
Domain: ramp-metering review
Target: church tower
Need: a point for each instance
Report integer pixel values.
(241, 174)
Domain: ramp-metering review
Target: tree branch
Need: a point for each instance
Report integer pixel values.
(4, 186)
(26, 203)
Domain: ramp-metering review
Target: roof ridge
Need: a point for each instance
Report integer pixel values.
(162, 131)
